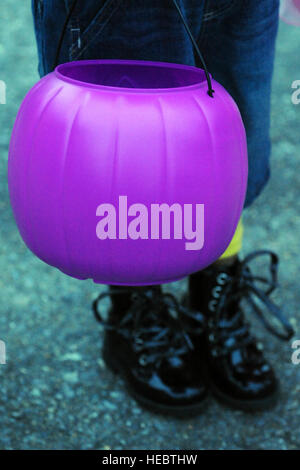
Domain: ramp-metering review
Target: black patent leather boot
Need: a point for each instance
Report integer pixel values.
(146, 344)
(237, 371)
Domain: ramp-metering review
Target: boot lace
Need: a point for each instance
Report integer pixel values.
(232, 331)
(152, 324)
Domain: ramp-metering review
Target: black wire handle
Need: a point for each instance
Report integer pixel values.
(210, 90)
(62, 34)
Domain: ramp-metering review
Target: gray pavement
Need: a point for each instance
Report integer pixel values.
(55, 392)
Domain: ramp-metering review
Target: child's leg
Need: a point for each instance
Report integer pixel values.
(239, 50)
(230, 254)
(141, 341)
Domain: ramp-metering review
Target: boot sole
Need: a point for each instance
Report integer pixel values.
(185, 411)
(250, 406)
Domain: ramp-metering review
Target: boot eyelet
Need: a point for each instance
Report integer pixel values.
(211, 338)
(138, 344)
(210, 323)
(260, 346)
(215, 352)
(222, 278)
(143, 360)
(216, 292)
(212, 305)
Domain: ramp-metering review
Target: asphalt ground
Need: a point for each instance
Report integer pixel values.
(55, 392)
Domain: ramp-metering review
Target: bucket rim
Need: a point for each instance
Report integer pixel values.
(61, 69)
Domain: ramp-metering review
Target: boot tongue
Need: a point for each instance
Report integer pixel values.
(151, 292)
(155, 311)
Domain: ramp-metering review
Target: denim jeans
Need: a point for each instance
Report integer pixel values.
(236, 37)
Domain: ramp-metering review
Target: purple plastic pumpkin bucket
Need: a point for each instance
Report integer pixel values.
(127, 172)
